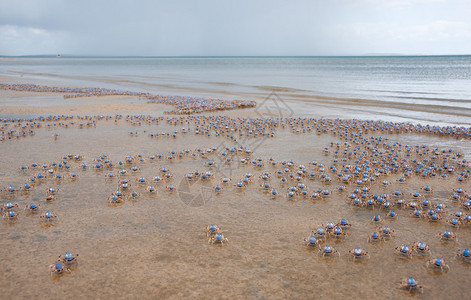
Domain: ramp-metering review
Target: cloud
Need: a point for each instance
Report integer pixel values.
(245, 27)
(388, 3)
(437, 37)
(441, 30)
(437, 31)
(29, 40)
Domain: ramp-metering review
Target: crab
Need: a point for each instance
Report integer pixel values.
(212, 230)
(114, 199)
(410, 284)
(358, 253)
(387, 232)
(58, 269)
(134, 195)
(426, 203)
(427, 189)
(189, 176)
(338, 233)
(376, 219)
(464, 255)
(375, 237)
(68, 259)
(417, 214)
(265, 186)
(455, 197)
(417, 195)
(51, 191)
(311, 241)
(400, 203)
(320, 233)
(265, 176)
(404, 251)
(329, 228)
(10, 189)
(438, 264)
(326, 192)
(370, 203)
(447, 236)
(218, 238)
(204, 176)
(273, 193)
(225, 180)
(440, 207)
(118, 193)
(124, 185)
(218, 188)
(392, 214)
(328, 251)
(32, 207)
(398, 193)
(413, 205)
(73, 175)
(387, 205)
(10, 215)
(48, 217)
(344, 224)
(9, 206)
(50, 198)
(421, 248)
(291, 195)
(240, 185)
(455, 222)
(434, 217)
(356, 202)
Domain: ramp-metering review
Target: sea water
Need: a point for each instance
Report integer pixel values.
(421, 89)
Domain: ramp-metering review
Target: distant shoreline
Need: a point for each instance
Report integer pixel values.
(231, 56)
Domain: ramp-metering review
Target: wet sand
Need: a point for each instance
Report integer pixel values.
(154, 245)
(302, 102)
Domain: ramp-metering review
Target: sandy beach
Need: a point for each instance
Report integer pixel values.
(154, 243)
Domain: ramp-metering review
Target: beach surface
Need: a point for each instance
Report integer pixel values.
(154, 244)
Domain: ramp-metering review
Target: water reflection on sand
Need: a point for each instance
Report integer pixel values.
(155, 245)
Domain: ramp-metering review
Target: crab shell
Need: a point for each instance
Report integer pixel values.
(357, 251)
(411, 282)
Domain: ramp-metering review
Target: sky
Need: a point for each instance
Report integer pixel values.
(235, 28)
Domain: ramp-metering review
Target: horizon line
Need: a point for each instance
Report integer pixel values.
(226, 56)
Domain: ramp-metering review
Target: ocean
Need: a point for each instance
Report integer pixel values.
(420, 89)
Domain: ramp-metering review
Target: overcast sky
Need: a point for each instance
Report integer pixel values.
(238, 27)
